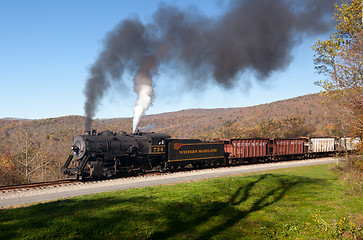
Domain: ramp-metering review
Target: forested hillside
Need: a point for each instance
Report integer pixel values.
(300, 116)
(34, 150)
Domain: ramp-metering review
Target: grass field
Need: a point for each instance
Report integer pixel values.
(296, 203)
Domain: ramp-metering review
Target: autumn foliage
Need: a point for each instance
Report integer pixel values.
(340, 60)
(8, 171)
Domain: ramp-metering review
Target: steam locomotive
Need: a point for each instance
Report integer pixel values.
(108, 154)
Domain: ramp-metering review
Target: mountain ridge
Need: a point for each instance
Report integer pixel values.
(194, 122)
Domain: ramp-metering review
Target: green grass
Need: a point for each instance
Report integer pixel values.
(296, 203)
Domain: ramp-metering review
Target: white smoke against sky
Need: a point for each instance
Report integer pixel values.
(145, 95)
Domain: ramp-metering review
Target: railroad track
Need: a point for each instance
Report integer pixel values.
(59, 182)
(36, 185)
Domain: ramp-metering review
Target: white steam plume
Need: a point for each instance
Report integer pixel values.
(145, 95)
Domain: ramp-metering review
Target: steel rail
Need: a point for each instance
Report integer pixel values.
(36, 185)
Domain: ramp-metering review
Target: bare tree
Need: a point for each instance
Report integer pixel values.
(31, 159)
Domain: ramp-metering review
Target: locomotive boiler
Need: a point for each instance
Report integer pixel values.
(106, 154)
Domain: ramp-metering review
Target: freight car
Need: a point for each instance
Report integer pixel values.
(241, 151)
(322, 146)
(108, 154)
(288, 148)
(347, 144)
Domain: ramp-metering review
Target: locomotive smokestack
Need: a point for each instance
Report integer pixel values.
(254, 36)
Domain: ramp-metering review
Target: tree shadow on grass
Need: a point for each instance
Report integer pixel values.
(229, 210)
(147, 216)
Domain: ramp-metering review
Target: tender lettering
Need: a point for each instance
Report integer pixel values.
(207, 151)
(199, 151)
(188, 152)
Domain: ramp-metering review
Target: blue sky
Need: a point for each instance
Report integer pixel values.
(47, 47)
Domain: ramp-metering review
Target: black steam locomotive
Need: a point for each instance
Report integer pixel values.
(108, 154)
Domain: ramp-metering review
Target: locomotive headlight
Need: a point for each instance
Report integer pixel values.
(75, 149)
(79, 147)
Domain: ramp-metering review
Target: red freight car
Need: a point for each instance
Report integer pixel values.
(293, 147)
(244, 149)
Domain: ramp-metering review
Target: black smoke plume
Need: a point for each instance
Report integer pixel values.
(252, 35)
